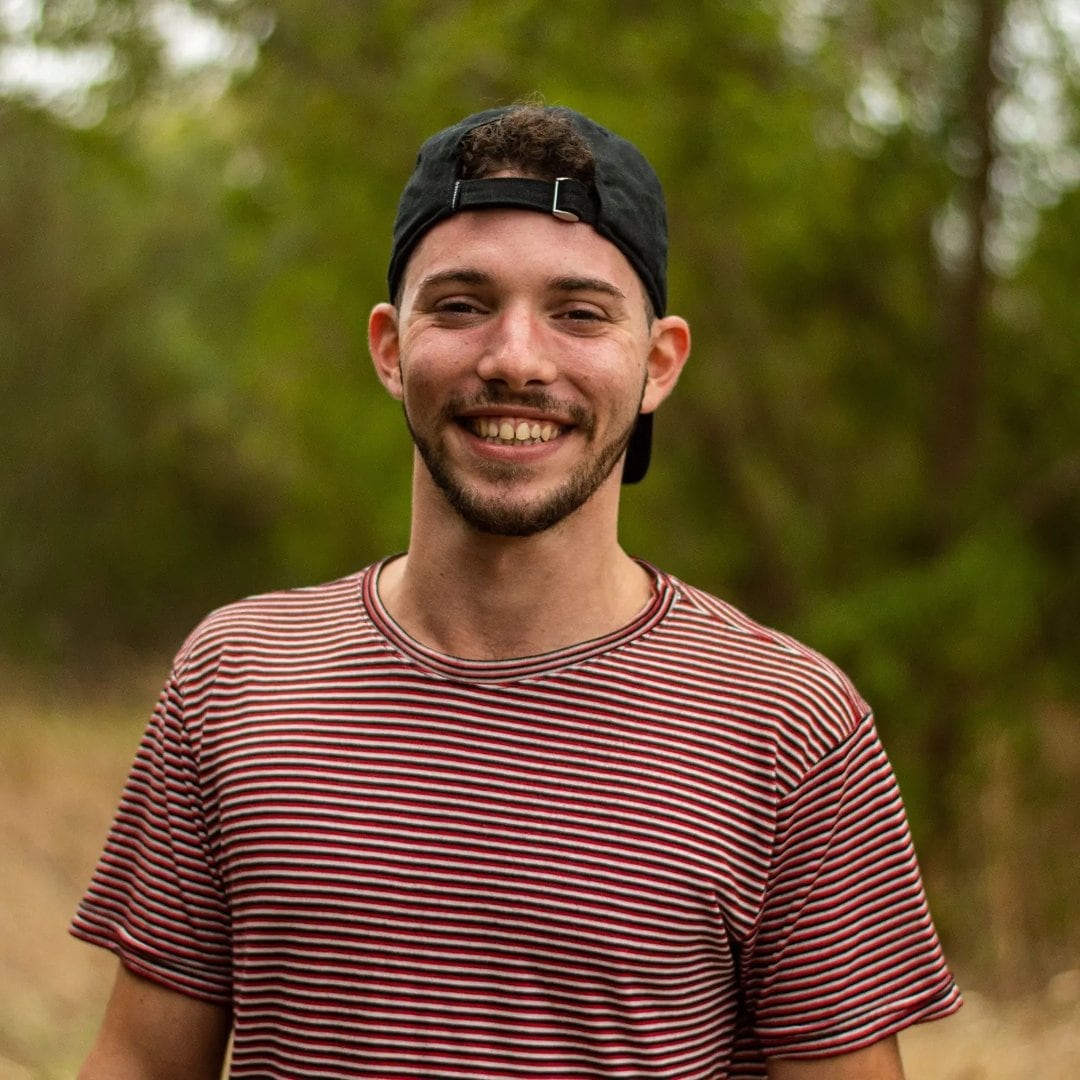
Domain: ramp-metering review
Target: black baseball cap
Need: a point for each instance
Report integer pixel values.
(624, 203)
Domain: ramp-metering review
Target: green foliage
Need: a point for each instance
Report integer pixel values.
(874, 445)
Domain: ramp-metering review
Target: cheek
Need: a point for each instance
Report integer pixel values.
(429, 358)
(430, 378)
(620, 381)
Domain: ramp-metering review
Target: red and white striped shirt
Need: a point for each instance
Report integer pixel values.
(667, 852)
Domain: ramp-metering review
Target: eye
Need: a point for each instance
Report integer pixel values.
(456, 310)
(455, 307)
(581, 318)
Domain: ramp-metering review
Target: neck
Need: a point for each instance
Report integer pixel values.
(484, 597)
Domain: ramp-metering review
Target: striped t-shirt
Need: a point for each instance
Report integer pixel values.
(667, 852)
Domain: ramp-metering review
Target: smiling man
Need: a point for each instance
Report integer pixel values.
(513, 804)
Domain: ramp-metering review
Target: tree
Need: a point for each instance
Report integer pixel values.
(871, 212)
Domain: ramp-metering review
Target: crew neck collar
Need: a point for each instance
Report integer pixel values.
(507, 670)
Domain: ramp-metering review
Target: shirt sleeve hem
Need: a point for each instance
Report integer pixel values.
(150, 966)
(864, 1031)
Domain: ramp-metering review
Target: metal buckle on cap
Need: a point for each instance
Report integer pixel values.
(562, 215)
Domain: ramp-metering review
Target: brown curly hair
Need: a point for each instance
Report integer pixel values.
(530, 140)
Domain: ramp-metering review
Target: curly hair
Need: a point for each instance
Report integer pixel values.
(531, 140)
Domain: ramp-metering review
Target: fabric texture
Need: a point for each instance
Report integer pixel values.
(668, 852)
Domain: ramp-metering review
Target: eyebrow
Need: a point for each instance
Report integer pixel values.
(468, 276)
(587, 284)
(460, 276)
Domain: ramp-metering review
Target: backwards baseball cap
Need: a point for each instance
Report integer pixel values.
(624, 203)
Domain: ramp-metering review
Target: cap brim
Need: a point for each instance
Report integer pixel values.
(638, 450)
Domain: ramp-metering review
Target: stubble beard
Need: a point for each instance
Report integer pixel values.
(502, 513)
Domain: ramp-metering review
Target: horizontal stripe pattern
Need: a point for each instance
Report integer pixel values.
(666, 852)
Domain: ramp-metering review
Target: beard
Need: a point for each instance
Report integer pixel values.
(502, 513)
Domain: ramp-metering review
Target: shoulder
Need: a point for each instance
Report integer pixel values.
(271, 622)
(804, 702)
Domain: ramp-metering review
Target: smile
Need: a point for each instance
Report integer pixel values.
(510, 431)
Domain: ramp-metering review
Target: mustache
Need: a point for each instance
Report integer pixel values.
(503, 397)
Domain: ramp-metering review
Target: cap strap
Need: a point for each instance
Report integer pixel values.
(565, 198)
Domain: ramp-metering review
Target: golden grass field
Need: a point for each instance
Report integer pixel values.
(63, 756)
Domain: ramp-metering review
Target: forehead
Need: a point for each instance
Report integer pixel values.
(520, 246)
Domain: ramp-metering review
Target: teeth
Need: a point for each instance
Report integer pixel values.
(513, 431)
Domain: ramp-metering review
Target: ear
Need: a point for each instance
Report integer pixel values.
(668, 352)
(384, 343)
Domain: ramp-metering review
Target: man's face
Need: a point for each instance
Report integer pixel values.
(522, 349)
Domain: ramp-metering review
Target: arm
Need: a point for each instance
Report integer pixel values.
(845, 950)
(878, 1062)
(151, 1033)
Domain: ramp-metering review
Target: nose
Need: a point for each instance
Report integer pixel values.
(517, 352)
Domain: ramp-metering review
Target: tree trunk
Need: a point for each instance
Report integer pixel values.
(965, 319)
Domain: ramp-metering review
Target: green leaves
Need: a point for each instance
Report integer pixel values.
(874, 444)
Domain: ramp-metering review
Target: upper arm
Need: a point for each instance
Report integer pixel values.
(881, 1061)
(844, 950)
(152, 1033)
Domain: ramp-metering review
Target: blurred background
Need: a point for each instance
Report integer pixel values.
(875, 213)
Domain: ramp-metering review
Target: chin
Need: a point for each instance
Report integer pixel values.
(503, 515)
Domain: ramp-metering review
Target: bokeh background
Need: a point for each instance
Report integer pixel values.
(875, 213)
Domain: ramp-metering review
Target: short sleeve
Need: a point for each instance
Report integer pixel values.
(845, 952)
(155, 898)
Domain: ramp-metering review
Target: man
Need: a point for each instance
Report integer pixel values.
(513, 804)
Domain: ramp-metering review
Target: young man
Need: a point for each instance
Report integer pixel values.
(513, 804)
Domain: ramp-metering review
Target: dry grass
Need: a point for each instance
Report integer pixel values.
(63, 757)
(61, 769)
(1034, 1039)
